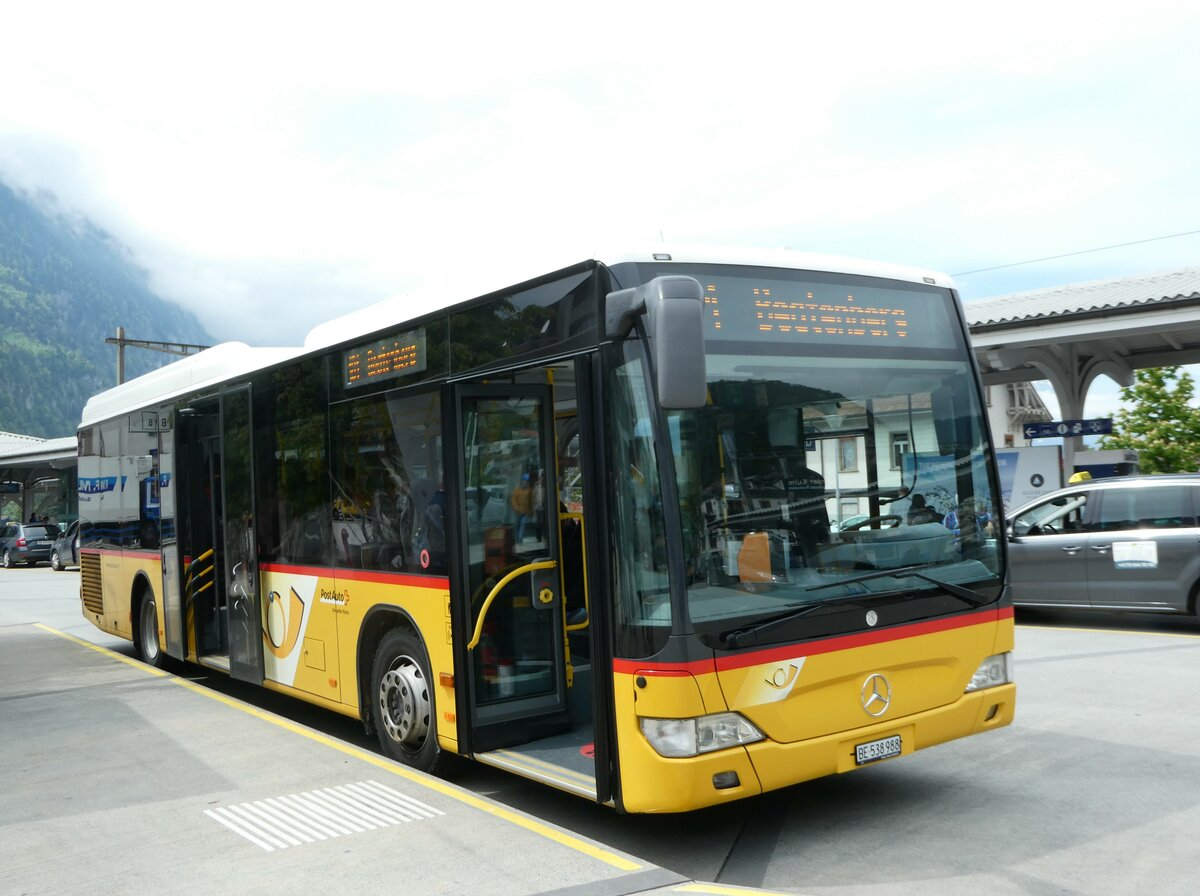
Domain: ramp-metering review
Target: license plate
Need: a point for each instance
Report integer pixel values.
(41, 544)
(873, 751)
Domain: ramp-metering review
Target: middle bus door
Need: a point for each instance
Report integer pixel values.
(237, 539)
(515, 657)
(215, 475)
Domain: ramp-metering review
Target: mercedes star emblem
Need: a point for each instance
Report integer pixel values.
(876, 695)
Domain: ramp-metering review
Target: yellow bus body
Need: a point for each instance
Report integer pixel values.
(313, 618)
(812, 730)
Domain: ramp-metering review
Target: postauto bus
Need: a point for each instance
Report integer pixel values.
(578, 526)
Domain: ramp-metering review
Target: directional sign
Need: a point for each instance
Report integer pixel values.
(1057, 428)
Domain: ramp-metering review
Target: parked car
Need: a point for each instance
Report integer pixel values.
(28, 543)
(849, 522)
(65, 550)
(1128, 543)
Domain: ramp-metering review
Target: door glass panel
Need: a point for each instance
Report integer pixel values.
(506, 509)
(240, 564)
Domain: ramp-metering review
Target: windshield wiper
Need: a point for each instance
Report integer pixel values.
(743, 637)
(974, 598)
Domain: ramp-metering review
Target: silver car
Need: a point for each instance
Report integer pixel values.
(1130, 543)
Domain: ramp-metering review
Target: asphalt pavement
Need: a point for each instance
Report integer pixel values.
(116, 779)
(119, 778)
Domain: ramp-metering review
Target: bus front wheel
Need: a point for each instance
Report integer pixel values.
(146, 637)
(403, 703)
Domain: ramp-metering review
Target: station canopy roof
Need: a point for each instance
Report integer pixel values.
(1126, 323)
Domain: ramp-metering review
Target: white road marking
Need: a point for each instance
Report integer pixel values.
(300, 818)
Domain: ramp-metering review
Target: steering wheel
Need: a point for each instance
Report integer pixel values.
(887, 521)
(1047, 529)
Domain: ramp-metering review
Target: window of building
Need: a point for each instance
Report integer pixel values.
(847, 455)
(900, 447)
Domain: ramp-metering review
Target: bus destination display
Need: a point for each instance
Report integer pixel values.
(392, 357)
(742, 310)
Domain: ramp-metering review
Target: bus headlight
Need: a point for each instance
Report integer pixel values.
(995, 670)
(677, 738)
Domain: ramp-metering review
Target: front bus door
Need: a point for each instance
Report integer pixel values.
(507, 507)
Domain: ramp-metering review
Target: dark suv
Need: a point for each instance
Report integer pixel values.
(29, 543)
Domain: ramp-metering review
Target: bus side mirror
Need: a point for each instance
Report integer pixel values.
(673, 307)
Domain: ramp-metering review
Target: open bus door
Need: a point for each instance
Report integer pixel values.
(520, 589)
(509, 565)
(215, 457)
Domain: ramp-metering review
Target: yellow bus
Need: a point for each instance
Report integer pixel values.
(589, 527)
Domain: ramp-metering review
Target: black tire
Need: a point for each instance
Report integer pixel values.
(56, 561)
(6, 560)
(403, 704)
(145, 635)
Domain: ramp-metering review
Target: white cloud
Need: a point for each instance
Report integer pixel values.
(270, 162)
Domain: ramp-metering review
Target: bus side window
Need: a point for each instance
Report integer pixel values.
(296, 484)
(389, 501)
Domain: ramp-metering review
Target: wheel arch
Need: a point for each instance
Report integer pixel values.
(379, 621)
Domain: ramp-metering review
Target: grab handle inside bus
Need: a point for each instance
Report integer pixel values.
(495, 592)
(673, 307)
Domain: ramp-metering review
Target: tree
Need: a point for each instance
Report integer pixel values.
(1159, 422)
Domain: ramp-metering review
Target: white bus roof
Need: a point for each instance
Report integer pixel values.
(490, 278)
(230, 360)
(209, 367)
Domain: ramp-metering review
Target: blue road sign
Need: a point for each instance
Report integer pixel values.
(1098, 426)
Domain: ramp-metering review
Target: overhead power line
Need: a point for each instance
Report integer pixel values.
(1154, 239)
(171, 348)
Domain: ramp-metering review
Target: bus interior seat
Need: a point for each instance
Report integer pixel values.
(754, 559)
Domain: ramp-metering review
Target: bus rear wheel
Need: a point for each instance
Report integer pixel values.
(146, 636)
(403, 703)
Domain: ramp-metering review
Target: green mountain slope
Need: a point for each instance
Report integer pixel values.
(65, 286)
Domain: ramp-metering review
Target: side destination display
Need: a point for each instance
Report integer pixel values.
(397, 355)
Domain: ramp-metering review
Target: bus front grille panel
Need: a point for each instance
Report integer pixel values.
(90, 589)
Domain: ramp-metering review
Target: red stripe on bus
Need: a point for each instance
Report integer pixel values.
(813, 648)
(359, 575)
(121, 552)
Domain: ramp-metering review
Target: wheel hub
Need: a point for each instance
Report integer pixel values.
(404, 703)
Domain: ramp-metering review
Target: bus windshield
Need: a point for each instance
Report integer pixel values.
(843, 437)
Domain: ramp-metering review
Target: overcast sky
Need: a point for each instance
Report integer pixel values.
(273, 165)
